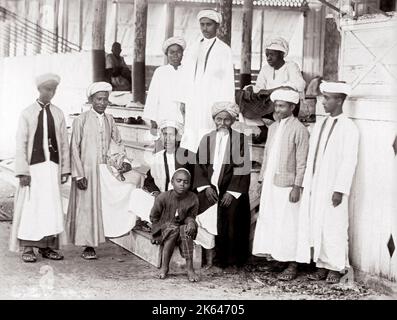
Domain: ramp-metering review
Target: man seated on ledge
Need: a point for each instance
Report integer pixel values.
(117, 71)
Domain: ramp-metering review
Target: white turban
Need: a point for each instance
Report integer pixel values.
(335, 87)
(41, 79)
(230, 107)
(285, 95)
(279, 44)
(171, 123)
(210, 14)
(173, 40)
(98, 87)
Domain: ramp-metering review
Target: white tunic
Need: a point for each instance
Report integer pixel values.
(164, 90)
(42, 213)
(209, 77)
(277, 224)
(321, 225)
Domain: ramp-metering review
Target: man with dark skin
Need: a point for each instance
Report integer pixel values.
(117, 71)
(173, 218)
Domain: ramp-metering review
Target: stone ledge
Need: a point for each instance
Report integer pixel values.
(139, 243)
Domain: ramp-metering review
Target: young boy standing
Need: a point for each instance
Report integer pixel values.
(281, 176)
(173, 222)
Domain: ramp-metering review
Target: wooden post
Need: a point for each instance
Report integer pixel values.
(138, 64)
(245, 71)
(225, 28)
(116, 19)
(37, 47)
(331, 50)
(81, 15)
(56, 27)
(170, 21)
(262, 33)
(98, 40)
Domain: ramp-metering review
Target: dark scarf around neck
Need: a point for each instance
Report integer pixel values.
(38, 150)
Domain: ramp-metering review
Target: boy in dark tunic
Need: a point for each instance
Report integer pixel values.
(173, 217)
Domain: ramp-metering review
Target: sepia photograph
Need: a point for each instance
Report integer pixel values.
(201, 156)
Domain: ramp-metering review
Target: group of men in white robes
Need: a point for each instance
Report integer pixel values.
(305, 187)
(305, 183)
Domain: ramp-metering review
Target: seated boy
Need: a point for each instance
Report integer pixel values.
(173, 218)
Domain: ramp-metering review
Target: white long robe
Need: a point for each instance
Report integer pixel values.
(322, 226)
(277, 225)
(164, 90)
(38, 209)
(206, 81)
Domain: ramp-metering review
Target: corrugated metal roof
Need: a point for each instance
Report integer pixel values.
(265, 3)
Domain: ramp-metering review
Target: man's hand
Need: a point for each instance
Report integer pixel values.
(153, 128)
(82, 184)
(263, 93)
(125, 167)
(248, 93)
(155, 193)
(295, 194)
(190, 229)
(24, 181)
(337, 198)
(211, 194)
(64, 178)
(226, 200)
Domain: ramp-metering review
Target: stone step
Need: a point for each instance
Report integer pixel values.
(139, 243)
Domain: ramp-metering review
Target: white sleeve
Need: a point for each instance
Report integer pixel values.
(235, 194)
(260, 81)
(152, 100)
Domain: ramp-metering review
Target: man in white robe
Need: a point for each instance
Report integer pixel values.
(42, 164)
(282, 172)
(324, 216)
(165, 87)
(92, 134)
(209, 77)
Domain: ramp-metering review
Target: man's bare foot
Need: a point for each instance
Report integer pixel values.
(163, 274)
(192, 276)
(212, 269)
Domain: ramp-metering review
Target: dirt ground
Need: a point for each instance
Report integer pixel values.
(118, 274)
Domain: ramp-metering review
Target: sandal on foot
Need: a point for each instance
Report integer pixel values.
(320, 274)
(48, 253)
(290, 273)
(333, 277)
(89, 254)
(29, 257)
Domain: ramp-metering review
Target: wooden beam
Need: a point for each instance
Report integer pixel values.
(98, 40)
(245, 70)
(225, 28)
(138, 64)
(25, 29)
